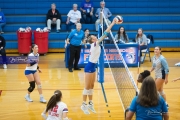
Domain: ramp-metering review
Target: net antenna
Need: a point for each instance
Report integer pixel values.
(132, 82)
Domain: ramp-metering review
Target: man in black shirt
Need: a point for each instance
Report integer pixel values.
(53, 17)
(2, 51)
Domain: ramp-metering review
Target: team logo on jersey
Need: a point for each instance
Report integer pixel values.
(75, 34)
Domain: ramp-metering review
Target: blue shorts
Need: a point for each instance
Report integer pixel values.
(90, 67)
(163, 74)
(27, 72)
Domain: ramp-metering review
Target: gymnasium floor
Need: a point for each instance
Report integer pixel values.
(54, 76)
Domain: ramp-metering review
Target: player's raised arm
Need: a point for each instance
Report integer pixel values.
(116, 20)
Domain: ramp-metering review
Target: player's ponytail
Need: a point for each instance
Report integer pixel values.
(159, 49)
(31, 47)
(53, 100)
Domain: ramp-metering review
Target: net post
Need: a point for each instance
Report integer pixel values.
(101, 73)
(101, 67)
(101, 59)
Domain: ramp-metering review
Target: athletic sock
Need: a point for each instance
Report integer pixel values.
(84, 103)
(40, 95)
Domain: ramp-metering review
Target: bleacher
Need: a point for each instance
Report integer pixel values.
(160, 18)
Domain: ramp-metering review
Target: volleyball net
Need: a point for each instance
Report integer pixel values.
(115, 58)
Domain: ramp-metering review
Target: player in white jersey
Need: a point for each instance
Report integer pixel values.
(56, 109)
(90, 69)
(161, 68)
(32, 74)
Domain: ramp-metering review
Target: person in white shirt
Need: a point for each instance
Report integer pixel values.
(73, 18)
(90, 69)
(56, 109)
(32, 74)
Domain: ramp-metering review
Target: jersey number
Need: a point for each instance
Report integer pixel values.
(55, 109)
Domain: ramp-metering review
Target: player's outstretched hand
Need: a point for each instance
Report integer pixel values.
(115, 20)
(174, 80)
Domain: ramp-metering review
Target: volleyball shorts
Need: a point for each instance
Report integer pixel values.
(28, 72)
(90, 67)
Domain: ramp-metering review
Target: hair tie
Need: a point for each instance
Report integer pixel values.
(55, 93)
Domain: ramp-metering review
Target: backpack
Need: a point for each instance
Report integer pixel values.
(151, 38)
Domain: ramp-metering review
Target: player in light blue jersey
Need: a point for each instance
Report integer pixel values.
(161, 68)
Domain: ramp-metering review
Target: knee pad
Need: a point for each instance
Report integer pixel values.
(85, 92)
(91, 92)
(32, 86)
(39, 86)
(161, 93)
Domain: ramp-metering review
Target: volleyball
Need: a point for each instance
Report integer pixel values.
(45, 29)
(21, 29)
(119, 19)
(28, 29)
(38, 29)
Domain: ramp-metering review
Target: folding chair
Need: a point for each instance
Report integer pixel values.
(146, 51)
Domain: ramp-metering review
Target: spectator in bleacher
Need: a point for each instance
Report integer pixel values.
(75, 39)
(141, 39)
(2, 21)
(106, 12)
(148, 105)
(87, 11)
(3, 51)
(53, 17)
(121, 36)
(86, 35)
(73, 18)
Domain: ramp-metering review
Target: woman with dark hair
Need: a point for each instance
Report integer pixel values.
(148, 105)
(57, 110)
(121, 36)
(161, 68)
(143, 75)
(32, 74)
(86, 35)
(141, 39)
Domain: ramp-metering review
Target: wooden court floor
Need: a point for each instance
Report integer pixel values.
(54, 76)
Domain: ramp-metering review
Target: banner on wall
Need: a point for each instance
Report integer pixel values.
(129, 53)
